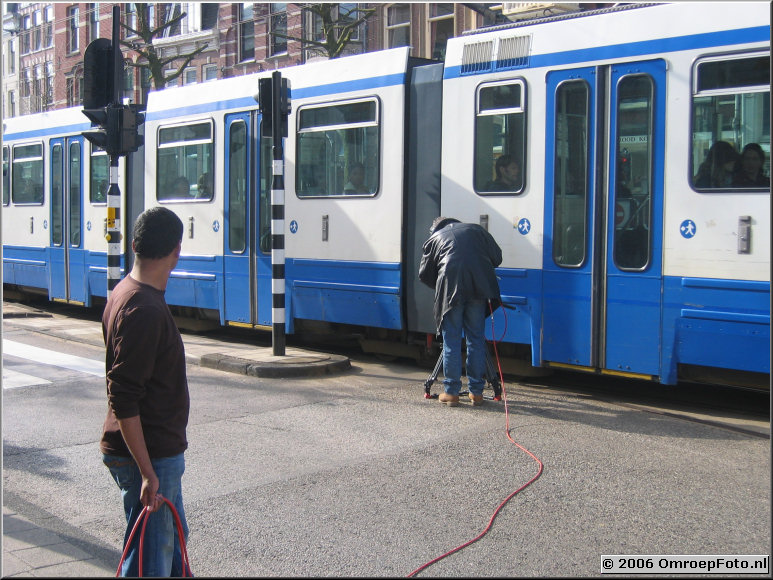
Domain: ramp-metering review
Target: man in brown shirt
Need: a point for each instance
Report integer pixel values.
(144, 438)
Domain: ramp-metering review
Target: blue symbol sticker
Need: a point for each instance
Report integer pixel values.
(45, 224)
(293, 227)
(88, 225)
(687, 229)
(524, 226)
(215, 226)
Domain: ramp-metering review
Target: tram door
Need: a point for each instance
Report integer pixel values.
(602, 263)
(67, 273)
(247, 252)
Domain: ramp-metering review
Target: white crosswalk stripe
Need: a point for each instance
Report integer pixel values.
(15, 379)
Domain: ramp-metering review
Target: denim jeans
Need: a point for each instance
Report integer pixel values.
(469, 317)
(161, 554)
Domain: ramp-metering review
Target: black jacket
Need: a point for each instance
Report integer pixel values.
(458, 262)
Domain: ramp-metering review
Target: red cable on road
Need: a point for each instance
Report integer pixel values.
(509, 497)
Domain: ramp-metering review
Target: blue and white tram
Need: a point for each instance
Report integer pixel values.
(54, 207)
(616, 259)
(344, 244)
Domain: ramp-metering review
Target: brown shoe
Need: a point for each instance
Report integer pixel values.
(450, 400)
(477, 400)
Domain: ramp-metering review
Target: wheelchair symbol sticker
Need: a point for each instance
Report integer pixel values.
(215, 226)
(687, 229)
(293, 227)
(524, 226)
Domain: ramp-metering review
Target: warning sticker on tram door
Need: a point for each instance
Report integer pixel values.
(673, 564)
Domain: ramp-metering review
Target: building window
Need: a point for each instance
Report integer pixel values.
(278, 31)
(246, 31)
(190, 76)
(209, 72)
(131, 20)
(441, 28)
(25, 34)
(399, 25)
(169, 13)
(48, 32)
(11, 104)
(37, 30)
(11, 56)
(72, 29)
(92, 16)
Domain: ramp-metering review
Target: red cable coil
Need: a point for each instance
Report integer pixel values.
(143, 519)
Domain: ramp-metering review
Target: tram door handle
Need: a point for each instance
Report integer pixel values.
(32, 225)
(325, 227)
(190, 227)
(744, 234)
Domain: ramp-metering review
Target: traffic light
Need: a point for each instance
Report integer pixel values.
(107, 134)
(266, 96)
(131, 118)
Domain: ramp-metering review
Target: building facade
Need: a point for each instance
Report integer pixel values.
(43, 44)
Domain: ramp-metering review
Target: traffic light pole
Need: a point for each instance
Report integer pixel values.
(277, 223)
(113, 235)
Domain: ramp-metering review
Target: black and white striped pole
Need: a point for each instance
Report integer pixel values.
(116, 129)
(274, 101)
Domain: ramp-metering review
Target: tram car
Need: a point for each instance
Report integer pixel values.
(618, 156)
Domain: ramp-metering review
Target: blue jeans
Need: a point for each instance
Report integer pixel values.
(471, 317)
(161, 555)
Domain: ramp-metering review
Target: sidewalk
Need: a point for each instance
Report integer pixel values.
(28, 549)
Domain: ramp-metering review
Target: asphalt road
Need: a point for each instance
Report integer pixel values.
(359, 475)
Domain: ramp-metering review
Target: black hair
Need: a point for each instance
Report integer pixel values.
(156, 233)
(440, 222)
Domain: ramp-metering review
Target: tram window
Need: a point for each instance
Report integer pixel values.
(633, 172)
(238, 179)
(27, 174)
(731, 123)
(334, 142)
(266, 179)
(6, 177)
(57, 195)
(570, 220)
(75, 194)
(500, 138)
(99, 178)
(185, 158)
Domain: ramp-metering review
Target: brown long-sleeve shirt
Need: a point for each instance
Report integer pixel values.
(145, 364)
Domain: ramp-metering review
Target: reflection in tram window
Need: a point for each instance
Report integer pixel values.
(238, 177)
(57, 195)
(633, 172)
(6, 177)
(184, 151)
(27, 174)
(571, 178)
(75, 194)
(99, 175)
(330, 139)
(730, 111)
(266, 179)
(500, 129)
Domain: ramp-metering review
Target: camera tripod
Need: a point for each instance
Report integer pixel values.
(491, 377)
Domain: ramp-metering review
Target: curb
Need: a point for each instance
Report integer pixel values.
(293, 367)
